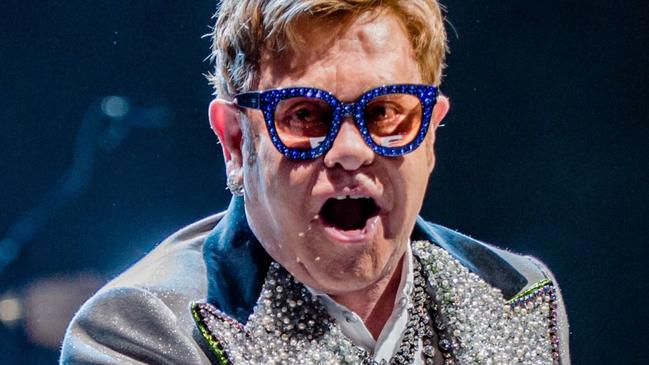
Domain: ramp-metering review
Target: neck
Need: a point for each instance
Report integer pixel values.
(375, 303)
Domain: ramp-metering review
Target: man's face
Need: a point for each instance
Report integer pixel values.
(338, 245)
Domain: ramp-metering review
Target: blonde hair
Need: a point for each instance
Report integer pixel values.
(246, 28)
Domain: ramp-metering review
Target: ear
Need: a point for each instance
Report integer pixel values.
(442, 105)
(224, 120)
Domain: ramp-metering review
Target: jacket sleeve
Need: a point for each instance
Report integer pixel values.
(128, 326)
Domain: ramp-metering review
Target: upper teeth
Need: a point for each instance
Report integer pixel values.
(341, 197)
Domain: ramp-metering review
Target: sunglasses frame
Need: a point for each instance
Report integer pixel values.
(267, 102)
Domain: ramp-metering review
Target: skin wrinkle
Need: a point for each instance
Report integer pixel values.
(331, 51)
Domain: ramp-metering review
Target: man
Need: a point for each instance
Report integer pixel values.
(327, 112)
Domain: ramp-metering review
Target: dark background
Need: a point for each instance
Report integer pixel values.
(544, 152)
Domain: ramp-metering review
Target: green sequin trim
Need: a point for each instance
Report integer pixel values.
(534, 288)
(213, 343)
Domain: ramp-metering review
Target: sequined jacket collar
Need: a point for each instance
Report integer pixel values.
(237, 264)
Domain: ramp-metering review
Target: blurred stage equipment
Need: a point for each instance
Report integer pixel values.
(105, 125)
(44, 308)
(11, 309)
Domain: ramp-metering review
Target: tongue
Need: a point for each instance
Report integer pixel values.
(346, 214)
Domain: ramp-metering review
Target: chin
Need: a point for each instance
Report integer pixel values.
(347, 266)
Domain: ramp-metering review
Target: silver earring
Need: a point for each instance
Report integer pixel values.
(235, 184)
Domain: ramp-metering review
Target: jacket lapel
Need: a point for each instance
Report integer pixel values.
(236, 264)
(474, 255)
(478, 325)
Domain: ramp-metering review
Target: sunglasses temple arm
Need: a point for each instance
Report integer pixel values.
(248, 100)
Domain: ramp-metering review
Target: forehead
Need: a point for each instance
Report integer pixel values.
(345, 57)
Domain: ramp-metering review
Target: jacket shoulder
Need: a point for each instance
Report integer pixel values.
(128, 326)
(510, 272)
(174, 268)
(143, 316)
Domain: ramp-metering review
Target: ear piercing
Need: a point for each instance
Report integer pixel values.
(235, 184)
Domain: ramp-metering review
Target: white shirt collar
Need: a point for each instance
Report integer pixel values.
(354, 328)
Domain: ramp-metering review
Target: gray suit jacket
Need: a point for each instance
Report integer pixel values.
(143, 316)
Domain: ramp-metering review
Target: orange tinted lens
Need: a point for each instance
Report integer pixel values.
(393, 119)
(302, 122)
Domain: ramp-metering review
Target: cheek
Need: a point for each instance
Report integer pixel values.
(275, 180)
(413, 179)
(258, 166)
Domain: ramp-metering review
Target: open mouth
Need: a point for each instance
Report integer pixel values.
(348, 213)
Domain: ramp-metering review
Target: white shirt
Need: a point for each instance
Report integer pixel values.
(390, 338)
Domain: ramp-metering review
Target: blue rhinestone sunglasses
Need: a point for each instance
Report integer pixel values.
(303, 122)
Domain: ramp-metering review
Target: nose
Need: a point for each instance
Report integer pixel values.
(349, 150)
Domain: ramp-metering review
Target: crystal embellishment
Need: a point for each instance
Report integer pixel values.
(472, 320)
